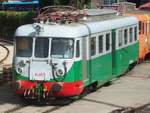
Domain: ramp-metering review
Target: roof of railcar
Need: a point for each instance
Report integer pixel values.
(139, 16)
(139, 12)
(74, 30)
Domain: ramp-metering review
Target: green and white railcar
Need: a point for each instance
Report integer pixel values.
(61, 60)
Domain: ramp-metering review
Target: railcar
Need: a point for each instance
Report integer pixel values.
(148, 30)
(144, 34)
(61, 60)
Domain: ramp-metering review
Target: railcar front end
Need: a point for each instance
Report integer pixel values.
(46, 66)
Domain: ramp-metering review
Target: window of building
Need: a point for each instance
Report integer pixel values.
(93, 46)
(100, 43)
(125, 36)
(107, 41)
(120, 38)
(130, 34)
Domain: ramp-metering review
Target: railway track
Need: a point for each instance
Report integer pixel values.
(33, 109)
(18, 107)
(141, 109)
(25, 108)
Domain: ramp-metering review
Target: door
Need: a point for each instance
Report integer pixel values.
(113, 52)
(85, 66)
(40, 68)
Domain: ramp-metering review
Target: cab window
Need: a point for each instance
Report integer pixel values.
(41, 47)
(24, 46)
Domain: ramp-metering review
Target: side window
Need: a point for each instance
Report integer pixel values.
(120, 39)
(77, 49)
(130, 34)
(100, 41)
(135, 33)
(125, 36)
(143, 28)
(149, 27)
(93, 46)
(107, 41)
(140, 27)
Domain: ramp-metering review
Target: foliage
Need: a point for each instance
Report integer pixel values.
(10, 20)
(77, 3)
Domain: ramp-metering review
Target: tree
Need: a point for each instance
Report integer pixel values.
(80, 3)
(76, 3)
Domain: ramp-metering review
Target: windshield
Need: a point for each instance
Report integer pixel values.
(41, 47)
(62, 48)
(24, 46)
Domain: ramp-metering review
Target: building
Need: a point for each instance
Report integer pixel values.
(138, 2)
(97, 3)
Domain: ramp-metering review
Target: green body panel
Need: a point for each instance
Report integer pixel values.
(17, 76)
(101, 68)
(123, 57)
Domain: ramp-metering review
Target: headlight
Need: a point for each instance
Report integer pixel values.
(20, 70)
(22, 63)
(60, 72)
